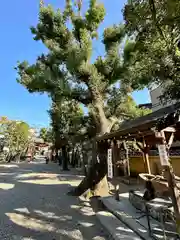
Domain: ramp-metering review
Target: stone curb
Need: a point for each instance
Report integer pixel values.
(122, 214)
(114, 227)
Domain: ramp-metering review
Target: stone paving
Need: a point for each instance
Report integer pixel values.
(34, 205)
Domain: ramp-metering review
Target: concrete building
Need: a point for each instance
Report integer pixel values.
(155, 93)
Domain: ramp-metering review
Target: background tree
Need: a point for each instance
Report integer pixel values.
(16, 137)
(153, 56)
(123, 106)
(70, 71)
(65, 120)
(46, 134)
(3, 121)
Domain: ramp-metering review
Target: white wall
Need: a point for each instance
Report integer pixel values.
(155, 94)
(156, 105)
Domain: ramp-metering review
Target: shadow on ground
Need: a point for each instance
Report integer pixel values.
(34, 205)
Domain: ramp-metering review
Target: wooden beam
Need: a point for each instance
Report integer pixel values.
(120, 135)
(144, 149)
(140, 146)
(170, 142)
(169, 129)
(127, 159)
(174, 192)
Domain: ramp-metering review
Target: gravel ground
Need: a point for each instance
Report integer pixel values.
(34, 205)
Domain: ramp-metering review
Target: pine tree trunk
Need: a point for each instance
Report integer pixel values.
(17, 157)
(84, 158)
(8, 158)
(76, 158)
(96, 179)
(56, 155)
(73, 158)
(64, 159)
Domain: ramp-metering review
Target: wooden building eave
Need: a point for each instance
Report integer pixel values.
(165, 118)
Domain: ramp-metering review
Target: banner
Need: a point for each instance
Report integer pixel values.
(163, 153)
(109, 162)
(164, 159)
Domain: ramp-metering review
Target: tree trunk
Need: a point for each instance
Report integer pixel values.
(76, 156)
(17, 157)
(73, 158)
(8, 158)
(96, 179)
(68, 156)
(64, 159)
(56, 154)
(84, 156)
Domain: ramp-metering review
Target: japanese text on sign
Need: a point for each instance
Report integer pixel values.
(164, 159)
(109, 162)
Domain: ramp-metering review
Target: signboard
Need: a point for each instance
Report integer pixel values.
(164, 159)
(163, 153)
(109, 162)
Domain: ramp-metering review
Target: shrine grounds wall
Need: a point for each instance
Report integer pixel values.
(137, 165)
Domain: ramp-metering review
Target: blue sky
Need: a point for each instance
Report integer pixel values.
(16, 43)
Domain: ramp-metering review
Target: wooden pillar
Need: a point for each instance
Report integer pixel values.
(112, 146)
(127, 159)
(146, 156)
(144, 149)
(115, 156)
(163, 148)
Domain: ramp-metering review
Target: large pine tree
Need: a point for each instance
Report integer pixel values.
(70, 71)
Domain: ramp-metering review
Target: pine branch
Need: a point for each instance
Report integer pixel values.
(78, 96)
(154, 17)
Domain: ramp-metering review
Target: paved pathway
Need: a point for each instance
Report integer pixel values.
(34, 205)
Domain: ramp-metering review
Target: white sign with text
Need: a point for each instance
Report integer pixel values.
(163, 155)
(109, 162)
